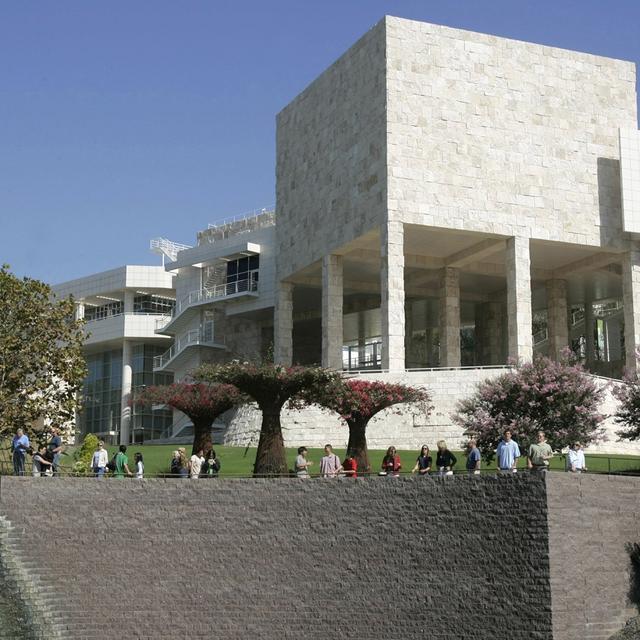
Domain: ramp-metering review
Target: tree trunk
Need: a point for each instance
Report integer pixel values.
(201, 435)
(270, 458)
(358, 445)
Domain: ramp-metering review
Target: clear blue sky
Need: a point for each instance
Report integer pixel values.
(125, 120)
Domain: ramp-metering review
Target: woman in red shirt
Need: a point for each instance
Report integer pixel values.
(350, 465)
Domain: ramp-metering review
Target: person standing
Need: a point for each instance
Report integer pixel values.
(40, 462)
(55, 450)
(330, 465)
(183, 464)
(473, 458)
(139, 466)
(195, 464)
(100, 460)
(350, 465)
(423, 462)
(302, 464)
(539, 454)
(212, 465)
(122, 463)
(391, 463)
(445, 460)
(19, 446)
(508, 453)
(576, 462)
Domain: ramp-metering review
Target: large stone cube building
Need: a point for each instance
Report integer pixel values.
(447, 202)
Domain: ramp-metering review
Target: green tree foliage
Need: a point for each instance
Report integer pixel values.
(271, 386)
(558, 398)
(42, 367)
(83, 456)
(202, 403)
(628, 414)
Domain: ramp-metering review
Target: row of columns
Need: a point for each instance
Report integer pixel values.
(519, 316)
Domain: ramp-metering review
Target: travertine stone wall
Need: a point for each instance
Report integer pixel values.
(331, 160)
(592, 519)
(392, 310)
(500, 136)
(557, 317)
(377, 558)
(449, 317)
(332, 298)
(315, 427)
(519, 322)
(283, 324)
(631, 296)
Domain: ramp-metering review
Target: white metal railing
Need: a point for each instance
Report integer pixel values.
(203, 336)
(166, 247)
(161, 319)
(255, 213)
(219, 291)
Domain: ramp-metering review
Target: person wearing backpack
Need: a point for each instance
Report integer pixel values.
(330, 466)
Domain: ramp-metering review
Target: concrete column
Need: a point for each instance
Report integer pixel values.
(79, 310)
(283, 325)
(481, 333)
(392, 295)
(332, 331)
(589, 330)
(125, 408)
(128, 301)
(449, 317)
(557, 317)
(495, 333)
(518, 263)
(631, 301)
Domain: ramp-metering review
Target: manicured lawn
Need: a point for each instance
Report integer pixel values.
(238, 461)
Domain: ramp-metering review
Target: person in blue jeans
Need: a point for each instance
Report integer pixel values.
(19, 446)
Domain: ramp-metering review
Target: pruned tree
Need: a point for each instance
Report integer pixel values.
(42, 367)
(559, 398)
(202, 403)
(271, 386)
(628, 413)
(357, 401)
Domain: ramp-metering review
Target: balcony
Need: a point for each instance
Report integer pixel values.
(203, 337)
(362, 358)
(124, 325)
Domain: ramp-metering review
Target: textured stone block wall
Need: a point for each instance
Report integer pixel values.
(331, 163)
(494, 135)
(591, 521)
(377, 559)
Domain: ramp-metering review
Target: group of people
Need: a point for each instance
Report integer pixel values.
(45, 459)
(199, 465)
(507, 453)
(118, 465)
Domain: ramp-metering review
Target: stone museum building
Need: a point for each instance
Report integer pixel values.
(446, 202)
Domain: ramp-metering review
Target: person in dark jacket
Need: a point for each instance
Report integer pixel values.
(445, 460)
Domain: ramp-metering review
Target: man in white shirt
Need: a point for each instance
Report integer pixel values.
(576, 461)
(195, 464)
(330, 465)
(100, 460)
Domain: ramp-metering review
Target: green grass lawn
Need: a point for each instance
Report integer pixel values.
(238, 461)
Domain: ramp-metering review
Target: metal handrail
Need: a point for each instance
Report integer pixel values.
(218, 291)
(255, 213)
(203, 336)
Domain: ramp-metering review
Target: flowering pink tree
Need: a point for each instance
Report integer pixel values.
(271, 386)
(357, 401)
(203, 403)
(558, 398)
(628, 414)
